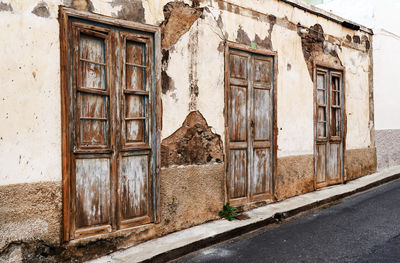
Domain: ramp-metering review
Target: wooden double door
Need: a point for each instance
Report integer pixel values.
(329, 126)
(109, 123)
(250, 121)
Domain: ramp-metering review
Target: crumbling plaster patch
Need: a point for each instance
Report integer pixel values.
(41, 9)
(266, 43)
(178, 18)
(316, 49)
(83, 5)
(190, 81)
(5, 7)
(131, 10)
(193, 143)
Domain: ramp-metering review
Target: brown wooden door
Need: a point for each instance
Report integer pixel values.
(249, 104)
(329, 127)
(135, 152)
(112, 126)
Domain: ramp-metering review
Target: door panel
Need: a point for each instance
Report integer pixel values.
(262, 125)
(321, 163)
(134, 192)
(238, 111)
(238, 65)
(262, 115)
(135, 159)
(238, 173)
(238, 125)
(92, 165)
(262, 172)
(334, 163)
(92, 192)
(250, 124)
(112, 127)
(328, 127)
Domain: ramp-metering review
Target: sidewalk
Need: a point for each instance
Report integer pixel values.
(183, 242)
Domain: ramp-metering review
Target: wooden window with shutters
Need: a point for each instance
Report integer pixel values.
(329, 125)
(250, 99)
(110, 86)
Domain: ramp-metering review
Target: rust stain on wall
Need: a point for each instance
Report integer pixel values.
(179, 17)
(315, 48)
(131, 10)
(41, 9)
(193, 143)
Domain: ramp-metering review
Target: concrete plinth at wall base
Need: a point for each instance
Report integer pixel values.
(183, 242)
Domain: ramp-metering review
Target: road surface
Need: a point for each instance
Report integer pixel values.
(362, 228)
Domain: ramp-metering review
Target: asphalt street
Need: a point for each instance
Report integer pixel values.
(362, 228)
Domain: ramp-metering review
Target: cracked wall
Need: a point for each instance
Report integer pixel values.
(192, 81)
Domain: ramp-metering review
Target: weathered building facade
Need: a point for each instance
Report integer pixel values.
(382, 17)
(127, 120)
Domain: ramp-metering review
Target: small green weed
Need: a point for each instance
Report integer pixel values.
(228, 212)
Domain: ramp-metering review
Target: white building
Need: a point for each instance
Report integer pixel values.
(122, 121)
(383, 17)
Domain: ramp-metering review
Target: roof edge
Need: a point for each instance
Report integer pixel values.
(327, 15)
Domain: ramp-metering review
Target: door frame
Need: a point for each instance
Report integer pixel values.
(66, 130)
(244, 48)
(327, 66)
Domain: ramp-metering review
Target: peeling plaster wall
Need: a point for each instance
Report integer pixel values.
(193, 77)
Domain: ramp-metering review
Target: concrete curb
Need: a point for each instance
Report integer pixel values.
(174, 245)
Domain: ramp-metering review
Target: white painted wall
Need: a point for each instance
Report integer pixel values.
(30, 106)
(30, 125)
(383, 17)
